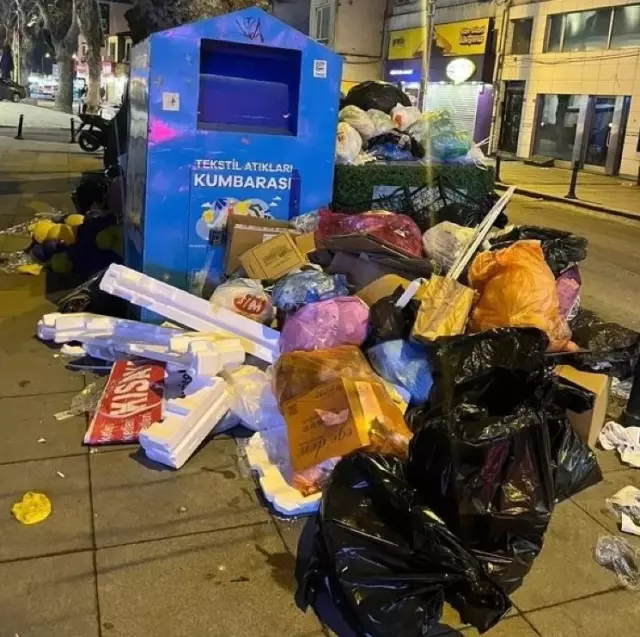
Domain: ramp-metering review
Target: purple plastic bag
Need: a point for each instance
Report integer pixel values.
(343, 320)
(568, 286)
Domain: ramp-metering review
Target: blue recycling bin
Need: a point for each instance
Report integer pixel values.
(233, 114)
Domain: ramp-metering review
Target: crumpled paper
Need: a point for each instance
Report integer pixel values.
(625, 440)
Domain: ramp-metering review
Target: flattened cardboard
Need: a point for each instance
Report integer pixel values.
(589, 424)
(384, 286)
(328, 422)
(273, 259)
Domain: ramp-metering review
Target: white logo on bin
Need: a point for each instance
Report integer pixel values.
(320, 68)
(171, 102)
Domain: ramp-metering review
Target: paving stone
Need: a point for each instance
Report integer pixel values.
(28, 366)
(68, 528)
(592, 500)
(229, 583)
(565, 569)
(9, 206)
(609, 461)
(49, 597)
(291, 531)
(511, 627)
(136, 499)
(614, 614)
(27, 419)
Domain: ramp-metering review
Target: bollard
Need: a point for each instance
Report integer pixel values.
(574, 178)
(631, 415)
(73, 131)
(498, 162)
(20, 125)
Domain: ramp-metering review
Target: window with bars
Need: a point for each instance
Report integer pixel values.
(593, 30)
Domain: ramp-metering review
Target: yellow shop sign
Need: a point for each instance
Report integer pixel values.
(453, 38)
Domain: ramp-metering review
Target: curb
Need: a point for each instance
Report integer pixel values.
(588, 205)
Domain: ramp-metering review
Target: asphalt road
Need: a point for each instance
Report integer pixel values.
(611, 272)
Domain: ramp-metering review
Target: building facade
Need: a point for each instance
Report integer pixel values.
(355, 29)
(570, 83)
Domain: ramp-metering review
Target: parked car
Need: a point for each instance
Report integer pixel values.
(9, 90)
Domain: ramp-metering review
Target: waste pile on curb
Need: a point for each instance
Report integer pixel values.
(431, 425)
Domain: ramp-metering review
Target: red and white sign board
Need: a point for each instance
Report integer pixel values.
(130, 402)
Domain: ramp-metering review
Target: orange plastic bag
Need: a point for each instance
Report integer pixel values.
(517, 289)
(298, 373)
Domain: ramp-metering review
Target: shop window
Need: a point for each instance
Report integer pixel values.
(555, 131)
(626, 27)
(323, 23)
(113, 46)
(521, 40)
(587, 30)
(553, 39)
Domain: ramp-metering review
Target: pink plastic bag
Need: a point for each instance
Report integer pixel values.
(343, 320)
(395, 230)
(568, 286)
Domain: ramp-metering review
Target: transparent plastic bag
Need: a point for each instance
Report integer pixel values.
(444, 242)
(82, 403)
(252, 398)
(245, 297)
(382, 122)
(358, 119)
(348, 144)
(405, 116)
(307, 222)
(308, 286)
(19, 263)
(619, 556)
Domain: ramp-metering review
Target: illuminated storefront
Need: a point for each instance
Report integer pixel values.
(460, 70)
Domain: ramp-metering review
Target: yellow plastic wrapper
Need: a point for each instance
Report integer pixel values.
(444, 308)
(33, 508)
(299, 373)
(517, 289)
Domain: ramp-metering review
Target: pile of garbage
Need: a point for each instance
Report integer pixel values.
(421, 392)
(378, 123)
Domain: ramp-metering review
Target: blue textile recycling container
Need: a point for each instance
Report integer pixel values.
(235, 113)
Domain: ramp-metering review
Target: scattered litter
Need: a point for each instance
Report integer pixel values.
(621, 388)
(625, 505)
(33, 508)
(182, 509)
(625, 440)
(82, 403)
(60, 474)
(42, 441)
(619, 556)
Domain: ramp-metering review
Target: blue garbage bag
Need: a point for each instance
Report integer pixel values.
(405, 364)
(308, 286)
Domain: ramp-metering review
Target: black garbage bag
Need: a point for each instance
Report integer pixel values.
(396, 139)
(561, 249)
(390, 563)
(512, 358)
(388, 322)
(379, 95)
(609, 348)
(575, 466)
(489, 476)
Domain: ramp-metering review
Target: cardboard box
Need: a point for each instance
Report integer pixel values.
(384, 286)
(273, 259)
(330, 421)
(589, 424)
(244, 233)
(306, 242)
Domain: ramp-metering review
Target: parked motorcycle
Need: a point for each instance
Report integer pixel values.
(93, 132)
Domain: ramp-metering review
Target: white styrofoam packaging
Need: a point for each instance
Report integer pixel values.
(189, 310)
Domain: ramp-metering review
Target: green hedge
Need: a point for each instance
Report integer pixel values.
(353, 185)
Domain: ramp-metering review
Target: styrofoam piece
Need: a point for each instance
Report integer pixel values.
(72, 350)
(284, 498)
(62, 328)
(187, 423)
(189, 310)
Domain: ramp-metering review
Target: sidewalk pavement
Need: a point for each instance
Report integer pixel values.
(133, 549)
(594, 191)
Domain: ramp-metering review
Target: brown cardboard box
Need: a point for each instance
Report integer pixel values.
(273, 259)
(243, 233)
(384, 286)
(306, 242)
(589, 424)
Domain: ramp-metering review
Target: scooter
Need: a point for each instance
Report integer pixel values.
(93, 132)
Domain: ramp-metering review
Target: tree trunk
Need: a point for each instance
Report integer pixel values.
(64, 97)
(93, 94)
(91, 28)
(26, 58)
